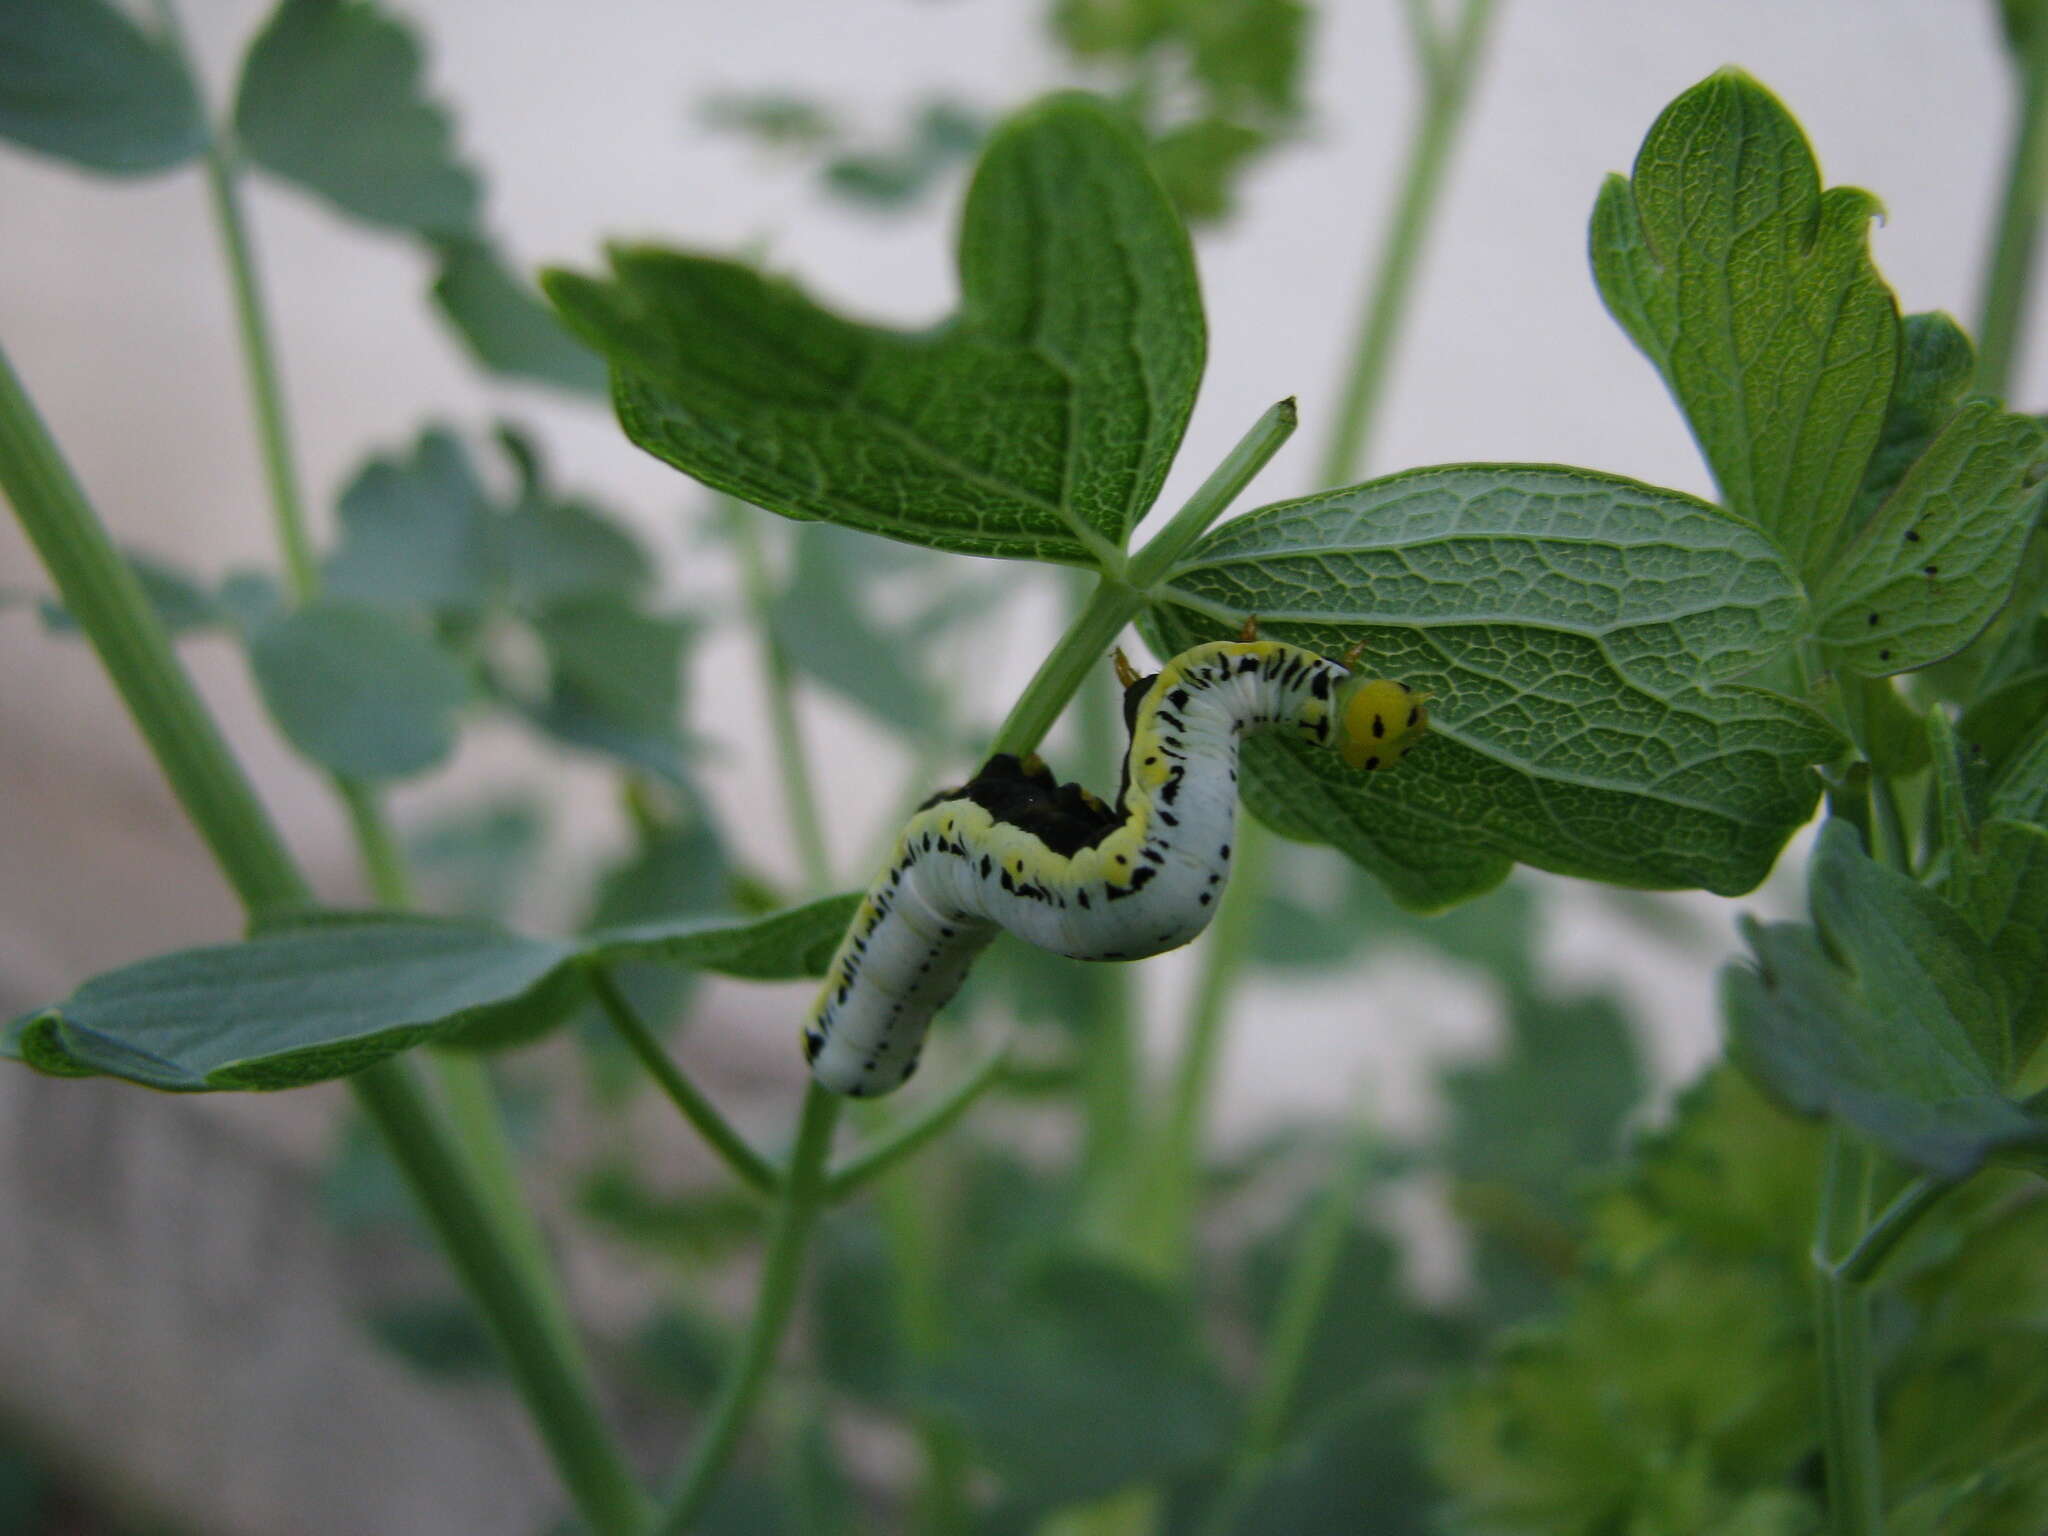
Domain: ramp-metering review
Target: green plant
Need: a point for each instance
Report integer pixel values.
(1628, 685)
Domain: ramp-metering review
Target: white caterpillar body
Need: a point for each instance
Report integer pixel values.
(1013, 849)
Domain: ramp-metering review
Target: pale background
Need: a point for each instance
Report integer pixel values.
(116, 313)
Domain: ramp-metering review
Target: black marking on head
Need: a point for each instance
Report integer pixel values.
(1379, 727)
(1372, 763)
(1321, 686)
(1178, 698)
(1140, 878)
(1248, 664)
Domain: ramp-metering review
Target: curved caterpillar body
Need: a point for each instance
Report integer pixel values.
(1014, 849)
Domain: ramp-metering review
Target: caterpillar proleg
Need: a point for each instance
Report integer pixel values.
(1014, 849)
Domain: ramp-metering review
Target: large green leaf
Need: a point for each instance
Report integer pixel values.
(1937, 559)
(1037, 423)
(323, 994)
(415, 532)
(80, 81)
(1754, 294)
(506, 327)
(295, 1007)
(330, 99)
(357, 691)
(1575, 633)
(1904, 1039)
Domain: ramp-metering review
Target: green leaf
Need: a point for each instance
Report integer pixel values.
(506, 326)
(616, 683)
(80, 81)
(1038, 423)
(1998, 722)
(943, 134)
(1754, 294)
(1802, 1029)
(1936, 561)
(438, 1336)
(476, 858)
(1936, 361)
(2001, 887)
(1199, 163)
(2020, 791)
(556, 550)
(1357, 1468)
(784, 946)
(180, 601)
(330, 98)
(858, 1309)
(1083, 1379)
(415, 532)
(295, 1007)
(697, 1226)
(357, 691)
(1575, 633)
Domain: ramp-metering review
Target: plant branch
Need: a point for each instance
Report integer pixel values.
(102, 593)
(749, 1166)
(1842, 1324)
(803, 1195)
(799, 798)
(910, 1136)
(1861, 1264)
(1448, 67)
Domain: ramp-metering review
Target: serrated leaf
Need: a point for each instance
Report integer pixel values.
(1038, 423)
(330, 98)
(1574, 633)
(1799, 1026)
(179, 600)
(295, 1007)
(357, 691)
(1754, 294)
(1085, 1378)
(507, 326)
(2000, 885)
(784, 946)
(1936, 561)
(1936, 361)
(82, 82)
(415, 531)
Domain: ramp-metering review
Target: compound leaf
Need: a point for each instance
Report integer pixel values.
(330, 99)
(1754, 294)
(1037, 423)
(80, 81)
(1575, 633)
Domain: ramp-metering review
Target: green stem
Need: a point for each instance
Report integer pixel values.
(479, 1127)
(1842, 1319)
(383, 860)
(1174, 1179)
(803, 1194)
(1304, 1292)
(2009, 263)
(911, 1135)
(749, 1166)
(1860, 1265)
(1116, 601)
(101, 592)
(273, 427)
(1448, 70)
(799, 799)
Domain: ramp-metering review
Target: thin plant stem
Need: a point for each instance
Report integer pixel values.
(384, 863)
(2015, 242)
(778, 681)
(1304, 1292)
(259, 358)
(103, 595)
(1174, 1181)
(910, 1136)
(1448, 68)
(747, 1165)
(1862, 1263)
(803, 1195)
(1842, 1326)
(1115, 601)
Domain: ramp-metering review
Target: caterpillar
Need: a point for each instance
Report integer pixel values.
(1014, 849)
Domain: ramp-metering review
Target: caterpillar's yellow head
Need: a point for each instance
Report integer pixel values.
(1379, 722)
